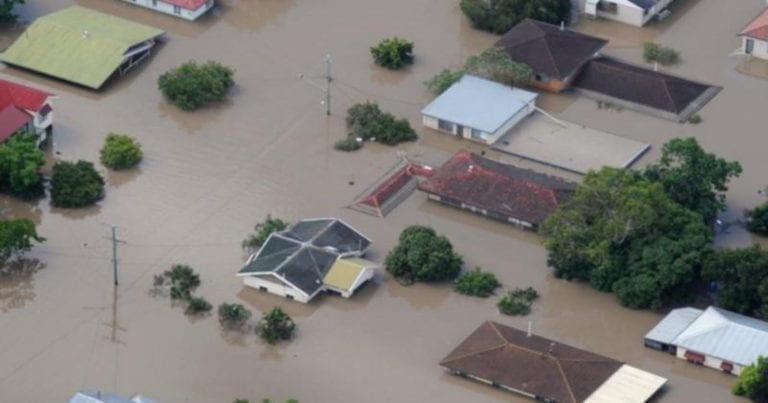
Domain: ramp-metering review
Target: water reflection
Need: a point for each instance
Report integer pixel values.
(192, 122)
(419, 296)
(120, 178)
(17, 282)
(252, 15)
(12, 208)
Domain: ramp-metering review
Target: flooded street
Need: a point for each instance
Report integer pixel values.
(210, 175)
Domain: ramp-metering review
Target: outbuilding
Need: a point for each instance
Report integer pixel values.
(24, 109)
(754, 37)
(186, 9)
(633, 12)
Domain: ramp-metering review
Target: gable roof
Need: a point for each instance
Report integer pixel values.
(12, 119)
(21, 96)
(640, 85)
(533, 364)
(188, 4)
(673, 324)
(758, 27)
(500, 188)
(547, 49)
(478, 103)
(77, 44)
(726, 335)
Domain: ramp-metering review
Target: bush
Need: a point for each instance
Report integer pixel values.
(757, 219)
(193, 85)
(653, 52)
(477, 283)
(422, 255)
(75, 184)
(443, 80)
(496, 65)
(16, 236)
(694, 119)
(753, 381)
(20, 162)
(263, 230)
(517, 301)
(393, 53)
(276, 326)
(348, 144)
(197, 305)
(233, 316)
(120, 152)
(499, 16)
(368, 122)
(183, 281)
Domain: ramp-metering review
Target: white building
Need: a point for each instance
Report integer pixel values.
(478, 109)
(25, 109)
(312, 256)
(715, 338)
(186, 9)
(633, 12)
(754, 37)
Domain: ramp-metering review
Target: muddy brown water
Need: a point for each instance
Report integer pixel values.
(208, 176)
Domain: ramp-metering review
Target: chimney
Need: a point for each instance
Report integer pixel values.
(562, 24)
(529, 328)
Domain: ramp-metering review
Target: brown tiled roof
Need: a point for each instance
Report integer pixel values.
(639, 85)
(547, 49)
(757, 28)
(535, 365)
(504, 189)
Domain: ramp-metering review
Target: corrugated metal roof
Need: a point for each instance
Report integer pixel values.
(478, 103)
(673, 324)
(22, 96)
(78, 45)
(99, 397)
(627, 385)
(345, 272)
(726, 335)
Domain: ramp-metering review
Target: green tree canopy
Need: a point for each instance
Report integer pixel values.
(757, 219)
(742, 279)
(276, 326)
(20, 162)
(422, 255)
(499, 16)
(121, 151)
(495, 64)
(233, 316)
(262, 232)
(75, 184)
(393, 53)
(6, 10)
(16, 237)
(477, 283)
(443, 80)
(623, 234)
(193, 85)
(367, 121)
(693, 177)
(753, 381)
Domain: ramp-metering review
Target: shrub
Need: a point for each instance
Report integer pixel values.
(75, 184)
(495, 64)
(276, 326)
(120, 152)
(477, 283)
(757, 219)
(422, 255)
(183, 281)
(16, 236)
(233, 315)
(263, 230)
(193, 85)
(393, 53)
(348, 144)
(443, 80)
(753, 381)
(499, 16)
(20, 162)
(653, 52)
(197, 305)
(694, 119)
(517, 301)
(368, 122)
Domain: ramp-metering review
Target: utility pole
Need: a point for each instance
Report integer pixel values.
(115, 241)
(328, 80)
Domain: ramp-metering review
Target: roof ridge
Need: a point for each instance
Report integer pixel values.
(473, 353)
(565, 380)
(664, 80)
(551, 56)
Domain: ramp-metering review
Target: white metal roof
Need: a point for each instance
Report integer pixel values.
(627, 385)
(673, 324)
(726, 335)
(478, 103)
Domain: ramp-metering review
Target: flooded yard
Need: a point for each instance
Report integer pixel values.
(209, 176)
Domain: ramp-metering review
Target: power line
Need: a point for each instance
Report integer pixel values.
(372, 95)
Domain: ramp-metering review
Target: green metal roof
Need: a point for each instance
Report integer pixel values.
(77, 44)
(345, 272)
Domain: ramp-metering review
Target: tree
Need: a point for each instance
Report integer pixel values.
(422, 255)
(742, 279)
(6, 10)
(499, 16)
(443, 80)
(75, 184)
(20, 162)
(393, 53)
(263, 230)
(183, 281)
(276, 326)
(753, 381)
(693, 177)
(193, 85)
(495, 64)
(16, 236)
(623, 234)
(196, 306)
(233, 316)
(517, 301)
(121, 152)
(653, 52)
(366, 121)
(757, 219)
(477, 283)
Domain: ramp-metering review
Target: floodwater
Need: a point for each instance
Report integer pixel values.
(208, 176)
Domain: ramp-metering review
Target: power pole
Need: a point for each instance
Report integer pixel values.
(115, 241)
(328, 80)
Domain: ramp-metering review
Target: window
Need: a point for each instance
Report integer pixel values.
(176, 10)
(477, 134)
(289, 296)
(262, 288)
(445, 125)
(749, 46)
(694, 357)
(726, 367)
(608, 7)
(154, 3)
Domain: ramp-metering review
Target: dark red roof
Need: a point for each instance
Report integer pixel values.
(11, 120)
(499, 188)
(757, 28)
(188, 4)
(21, 96)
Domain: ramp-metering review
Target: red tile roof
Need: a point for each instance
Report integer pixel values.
(21, 96)
(502, 190)
(11, 120)
(757, 28)
(188, 4)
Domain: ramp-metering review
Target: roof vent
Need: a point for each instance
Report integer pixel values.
(331, 249)
(86, 34)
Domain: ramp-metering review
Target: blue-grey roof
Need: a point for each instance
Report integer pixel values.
(673, 324)
(478, 103)
(644, 4)
(92, 396)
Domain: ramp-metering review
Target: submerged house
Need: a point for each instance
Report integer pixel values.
(313, 255)
(82, 46)
(633, 12)
(478, 109)
(754, 37)
(545, 370)
(24, 109)
(556, 55)
(186, 9)
(493, 189)
(715, 338)
(91, 396)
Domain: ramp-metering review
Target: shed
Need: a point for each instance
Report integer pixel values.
(185, 9)
(663, 335)
(754, 36)
(478, 109)
(633, 12)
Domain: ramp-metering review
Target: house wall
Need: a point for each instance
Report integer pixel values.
(551, 85)
(275, 288)
(759, 50)
(433, 123)
(168, 8)
(482, 211)
(628, 14)
(711, 362)
(510, 389)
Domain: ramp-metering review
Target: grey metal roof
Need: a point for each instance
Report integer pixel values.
(673, 324)
(726, 335)
(644, 4)
(92, 396)
(478, 103)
